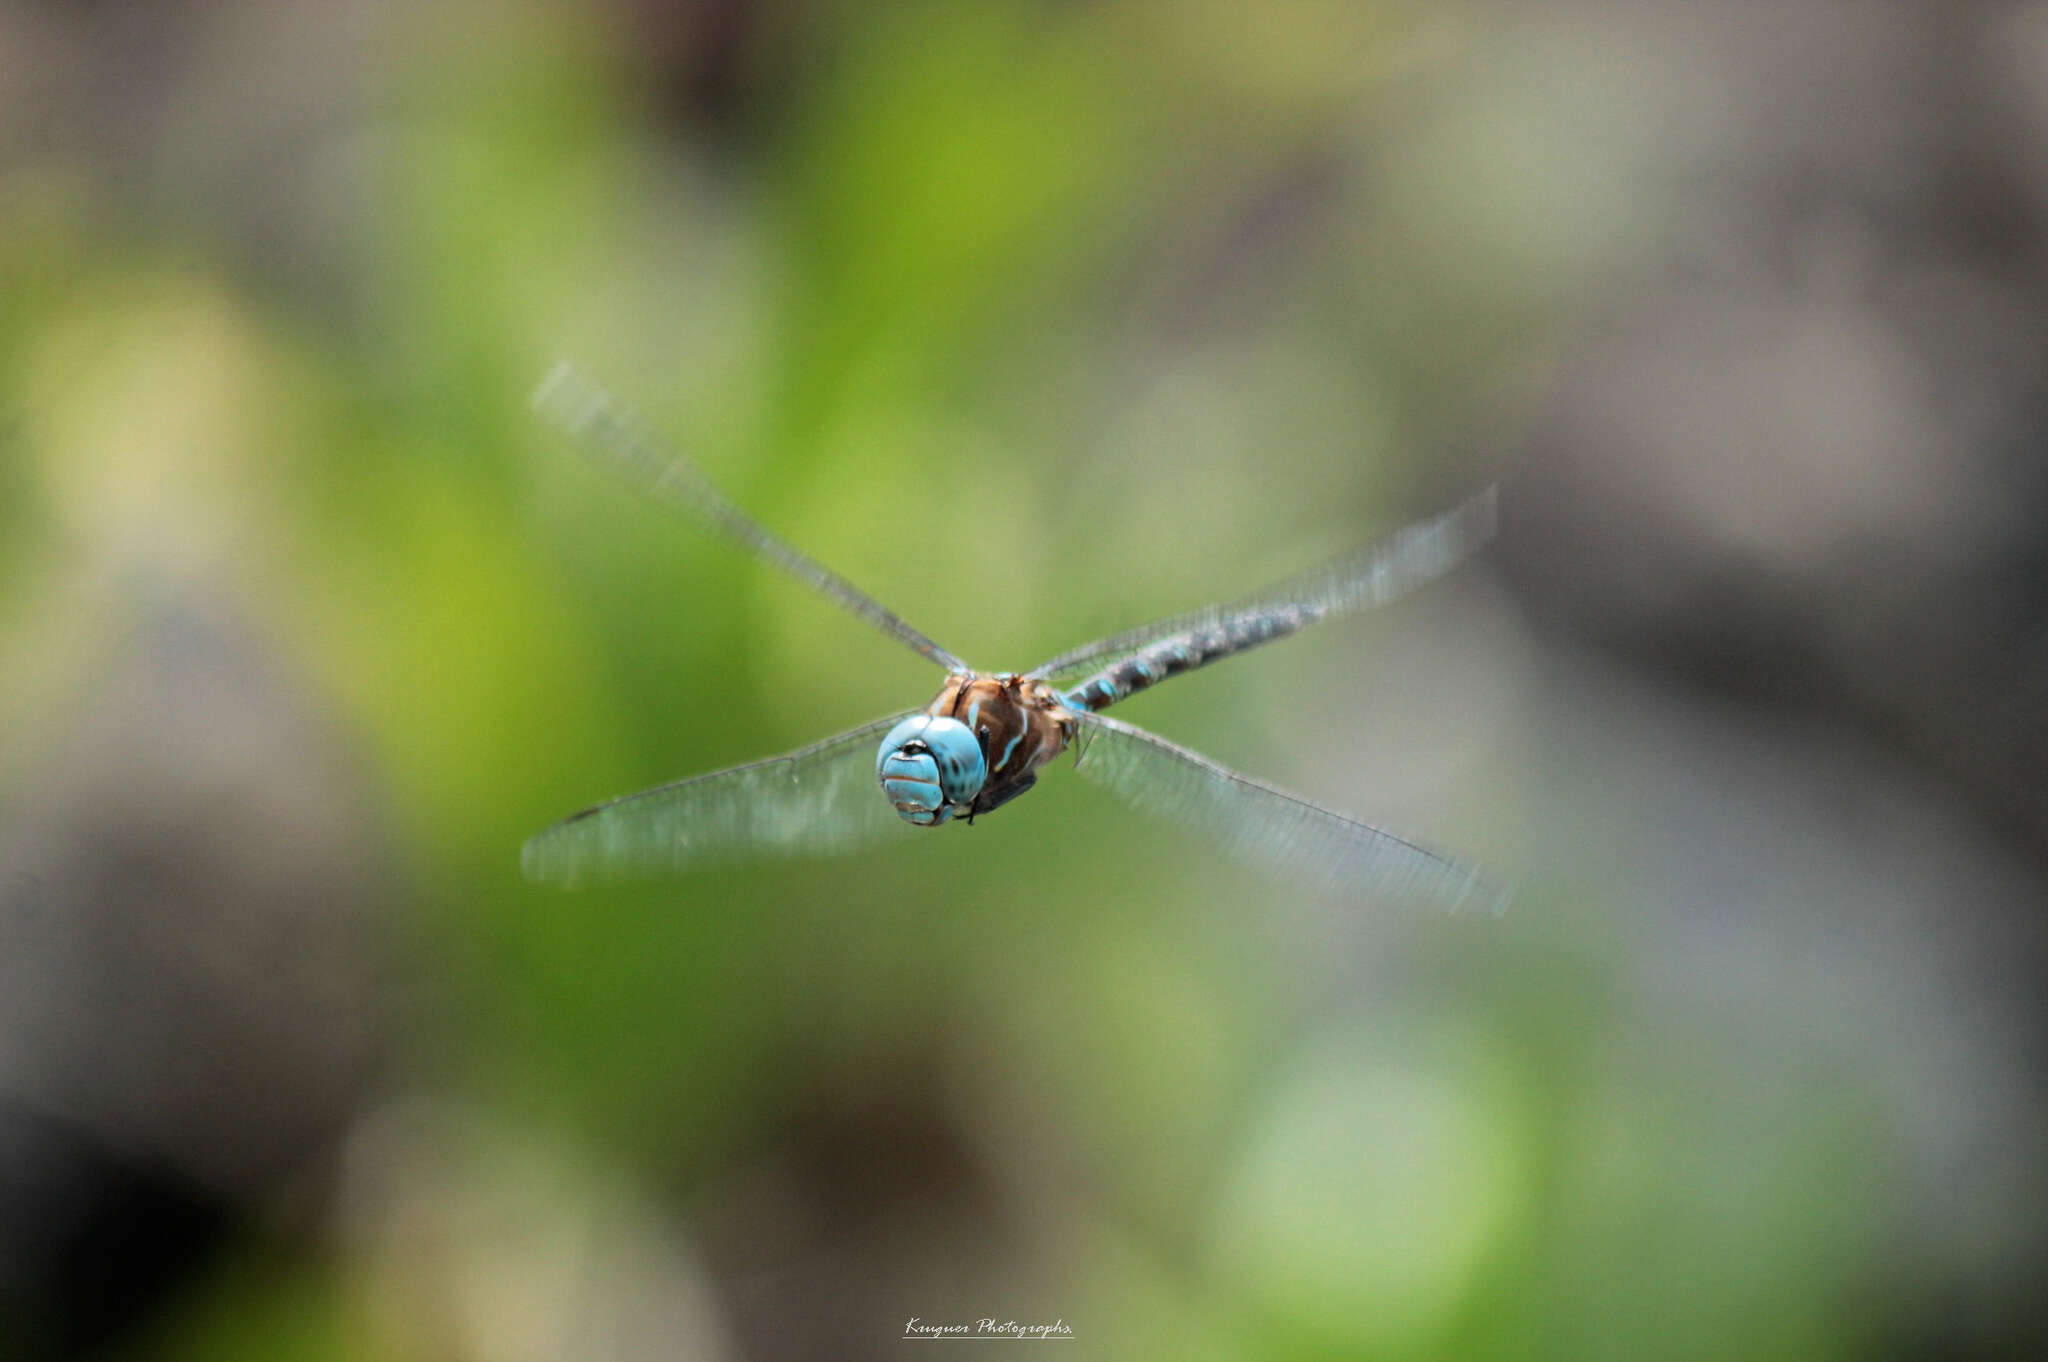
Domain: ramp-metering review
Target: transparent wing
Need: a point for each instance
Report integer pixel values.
(1254, 823)
(612, 435)
(1358, 580)
(818, 800)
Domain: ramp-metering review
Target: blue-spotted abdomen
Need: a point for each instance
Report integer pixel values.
(928, 765)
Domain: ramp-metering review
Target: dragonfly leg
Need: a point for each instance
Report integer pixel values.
(990, 800)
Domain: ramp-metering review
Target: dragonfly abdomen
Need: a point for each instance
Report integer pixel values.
(1185, 652)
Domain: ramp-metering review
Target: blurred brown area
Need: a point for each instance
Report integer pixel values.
(1743, 303)
(188, 961)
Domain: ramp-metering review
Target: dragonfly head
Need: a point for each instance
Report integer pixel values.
(928, 766)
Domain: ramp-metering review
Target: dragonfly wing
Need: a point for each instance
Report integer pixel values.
(611, 434)
(818, 800)
(1259, 825)
(1357, 580)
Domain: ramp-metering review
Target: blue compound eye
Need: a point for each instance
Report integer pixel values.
(928, 765)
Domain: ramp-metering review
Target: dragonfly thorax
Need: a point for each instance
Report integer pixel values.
(930, 767)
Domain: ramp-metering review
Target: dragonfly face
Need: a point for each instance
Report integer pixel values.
(930, 765)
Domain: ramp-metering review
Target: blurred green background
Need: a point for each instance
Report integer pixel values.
(1036, 320)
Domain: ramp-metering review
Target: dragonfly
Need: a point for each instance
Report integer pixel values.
(985, 738)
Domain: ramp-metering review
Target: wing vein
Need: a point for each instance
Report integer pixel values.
(818, 799)
(1266, 827)
(612, 435)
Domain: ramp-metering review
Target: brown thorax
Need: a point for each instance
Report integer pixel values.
(1019, 722)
